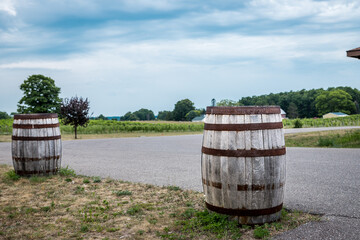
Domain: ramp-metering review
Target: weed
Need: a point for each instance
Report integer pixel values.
(37, 179)
(86, 180)
(173, 188)
(67, 172)
(11, 175)
(68, 180)
(123, 193)
(112, 229)
(45, 209)
(134, 210)
(261, 232)
(84, 228)
(140, 232)
(96, 179)
(79, 190)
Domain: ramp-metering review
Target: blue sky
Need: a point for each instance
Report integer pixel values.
(130, 54)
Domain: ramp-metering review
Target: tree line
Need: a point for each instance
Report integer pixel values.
(306, 103)
(184, 110)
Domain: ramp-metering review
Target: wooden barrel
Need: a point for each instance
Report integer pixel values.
(36, 144)
(243, 163)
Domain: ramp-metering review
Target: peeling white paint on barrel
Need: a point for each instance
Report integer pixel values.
(243, 162)
(36, 144)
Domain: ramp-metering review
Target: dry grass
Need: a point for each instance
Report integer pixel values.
(79, 207)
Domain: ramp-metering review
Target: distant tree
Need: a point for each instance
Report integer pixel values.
(182, 107)
(165, 115)
(40, 95)
(101, 117)
(75, 112)
(192, 114)
(334, 101)
(4, 115)
(292, 111)
(144, 114)
(227, 103)
(129, 117)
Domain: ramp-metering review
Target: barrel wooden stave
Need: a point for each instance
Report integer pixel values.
(246, 172)
(39, 157)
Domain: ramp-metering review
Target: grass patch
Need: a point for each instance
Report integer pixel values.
(335, 139)
(56, 209)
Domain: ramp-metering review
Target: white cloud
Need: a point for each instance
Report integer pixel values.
(321, 11)
(8, 7)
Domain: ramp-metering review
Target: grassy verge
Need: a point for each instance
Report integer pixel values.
(335, 139)
(68, 206)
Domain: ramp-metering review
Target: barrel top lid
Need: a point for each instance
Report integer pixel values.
(36, 116)
(243, 110)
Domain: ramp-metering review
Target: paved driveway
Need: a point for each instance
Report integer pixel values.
(324, 181)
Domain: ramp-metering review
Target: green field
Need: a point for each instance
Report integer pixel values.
(352, 120)
(114, 127)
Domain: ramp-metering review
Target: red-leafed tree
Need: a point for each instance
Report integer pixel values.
(75, 112)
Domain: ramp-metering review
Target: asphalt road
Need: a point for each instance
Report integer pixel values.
(322, 181)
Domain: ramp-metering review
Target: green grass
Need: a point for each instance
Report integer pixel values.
(332, 139)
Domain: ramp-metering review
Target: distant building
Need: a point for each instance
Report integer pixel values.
(199, 119)
(335, 115)
(116, 118)
(283, 113)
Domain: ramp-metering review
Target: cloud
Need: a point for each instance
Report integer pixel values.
(8, 7)
(320, 11)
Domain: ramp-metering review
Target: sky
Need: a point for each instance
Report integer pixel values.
(124, 55)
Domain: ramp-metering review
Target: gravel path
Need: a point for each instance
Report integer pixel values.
(323, 181)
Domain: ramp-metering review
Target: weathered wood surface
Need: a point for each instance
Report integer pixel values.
(36, 144)
(244, 186)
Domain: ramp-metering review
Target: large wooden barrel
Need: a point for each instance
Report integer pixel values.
(243, 163)
(36, 144)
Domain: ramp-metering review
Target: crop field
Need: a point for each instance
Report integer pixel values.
(353, 120)
(111, 127)
(116, 127)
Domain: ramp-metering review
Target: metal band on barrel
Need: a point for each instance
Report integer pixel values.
(21, 172)
(15, 138)
(243, 127)
(243, 110)
(36, 116)
(244, 153)
(244, 212)
(252, 187)
(32, 126)
(25, 159)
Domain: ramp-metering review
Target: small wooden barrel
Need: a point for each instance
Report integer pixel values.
(243, 163)
(36, 144)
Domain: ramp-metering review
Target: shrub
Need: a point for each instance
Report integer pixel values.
(298, 123)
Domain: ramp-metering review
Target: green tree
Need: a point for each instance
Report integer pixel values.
(144, 114)
(165, 115)
(75, 112)
(334, 101)
(192, 114)
(227, 103)
(40, 95)
(4, 115)
(292, 111)
(129, 117)
(182, 107)
(101, 117)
